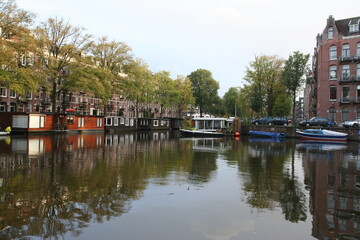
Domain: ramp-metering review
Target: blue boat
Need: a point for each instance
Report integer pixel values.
(267, 134)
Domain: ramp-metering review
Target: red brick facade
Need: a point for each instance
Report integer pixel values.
(334, 89)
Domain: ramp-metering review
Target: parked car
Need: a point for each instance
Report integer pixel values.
(353, 123)
(263, 120)
(279, 121)
(317, 121)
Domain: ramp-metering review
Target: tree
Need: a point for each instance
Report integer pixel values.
(17, 58)
(138, 85)
(263, 75)
(231, 101)
(59, 44)
(165, 91)
(184, 95)
(111, 56)
(293, 76)
(205, 89)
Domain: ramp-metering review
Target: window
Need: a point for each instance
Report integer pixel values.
(345, 51)
(81, 122)
(3, 92)
(31, 59)
(358, 50)
(345, 114)
(70, 120)
(345, 73)
(333, 53)
(332, 114)
(3, 107)
(12, 93)
(99, 122)
(358, 115)
(333, 93)
(358, 72)
(346, 94)
(333, 73)
(13, 107)
(108, 121)
(330, 33)
(358, 93)
(23, 60)
(353, 28)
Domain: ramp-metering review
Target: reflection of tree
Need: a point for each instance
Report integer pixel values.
(203, 164)
(66, 189)
(262, 165)
(292, 199)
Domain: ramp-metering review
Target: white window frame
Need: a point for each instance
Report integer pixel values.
(333, 69)
(99, 122)
(333, 53)
(353, 28)
(3, 92)
(81, 122)
(345, 73)
(12, 93)
(23, 60)
(345, 51)
(330, 33)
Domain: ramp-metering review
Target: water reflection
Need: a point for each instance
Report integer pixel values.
(56, 186)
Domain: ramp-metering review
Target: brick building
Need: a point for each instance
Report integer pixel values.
(334, 88)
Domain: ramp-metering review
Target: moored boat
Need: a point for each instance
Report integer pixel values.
(322, 134)
(208, 127)
(266, 134)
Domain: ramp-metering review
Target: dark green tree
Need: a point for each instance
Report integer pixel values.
(231, 102)
(293, 76)
(205, 89)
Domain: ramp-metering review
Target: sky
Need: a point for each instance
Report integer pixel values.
(181, 36)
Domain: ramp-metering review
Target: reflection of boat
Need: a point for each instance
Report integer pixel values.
(207, 127)
(322, 146)
(208, 144)
(262, 139)
(201, 133)
(322, 134)
(266, 134)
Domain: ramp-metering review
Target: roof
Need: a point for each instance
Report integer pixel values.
(343, 25)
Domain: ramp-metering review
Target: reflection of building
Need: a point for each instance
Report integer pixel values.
(334, 88)
(334, 180)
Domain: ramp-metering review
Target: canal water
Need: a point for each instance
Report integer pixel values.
(156, 185)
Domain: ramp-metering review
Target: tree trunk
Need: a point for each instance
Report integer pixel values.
(53, 96)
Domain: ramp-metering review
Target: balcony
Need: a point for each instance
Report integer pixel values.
(349, 79)
(345, 59)
(349, 100)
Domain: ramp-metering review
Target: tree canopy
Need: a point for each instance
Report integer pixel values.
(293, 76)
(205, 89)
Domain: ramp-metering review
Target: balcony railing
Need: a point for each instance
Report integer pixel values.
(348, 79)
(349, 100)
(349, 58)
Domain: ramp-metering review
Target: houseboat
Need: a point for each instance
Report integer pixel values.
(208, 127)
(117, 123)
(22, 122)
